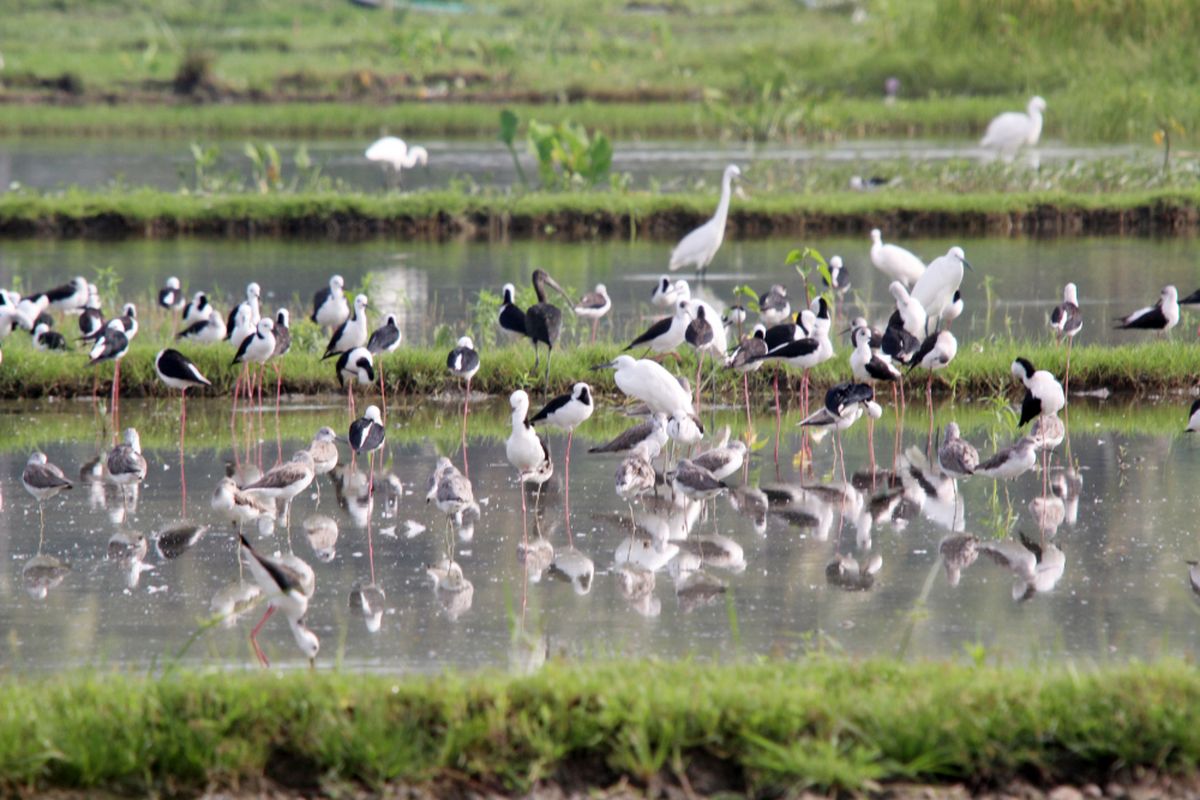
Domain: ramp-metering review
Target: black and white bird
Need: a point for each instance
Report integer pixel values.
(355, 366)
(171, 296)
(242, 325)
(511, 317)
(352, 333)
(1066, 320)
(385, 338)
(463, 363)
(285, 591)
(206, 330)
(258, 348)
(70, 298)
(330, 308)
(198, 310)
(844, 404)
(1162, 316)
(666, 334)
(957, 457)
(367, 433)
(1043, 393)
(112, 346)
(748, 357)
(543, 320)
(593, 306)
(773, 305)
(1193, 424)
(667, 293)
(1011, 461)
(251, 313)
(91, 321)
(912, 313)
(839, 276)
(45, 339)
(868, 366)
(525, 449)
(897, 343)
(935, 353)
(178, 372)
(953, 309)
(567, 411)
(285, 481)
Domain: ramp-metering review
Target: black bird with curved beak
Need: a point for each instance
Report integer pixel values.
(543, 320)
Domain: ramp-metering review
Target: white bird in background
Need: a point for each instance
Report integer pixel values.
(1012, 130)
(698, 248)
(894, 261)
(935, 289)
(396, 153)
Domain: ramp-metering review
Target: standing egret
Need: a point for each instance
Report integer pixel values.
(1012, 130)
(698, 248)
(894, 261)
(935, 289)
(543, 320)
(651, 383)
(396, 153)
(593, 306)
(1162, 316)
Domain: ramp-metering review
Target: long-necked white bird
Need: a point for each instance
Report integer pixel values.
(1012, 130)
(397, 154)
(330, 308)
(935, 289)
(651, 383)
(352, 333)
(285, 591)
(1162, 316)
(698, 248)
(894, 261)
(525, 449)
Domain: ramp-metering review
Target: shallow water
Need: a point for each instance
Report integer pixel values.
(54, 162)
(1015, 283)
(1125, 513)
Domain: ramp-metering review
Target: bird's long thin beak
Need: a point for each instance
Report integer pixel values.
(967, 264)
(341, 439)
(848, 330)
(609, 365)
(570, 303)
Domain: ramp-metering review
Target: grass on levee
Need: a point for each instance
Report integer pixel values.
(981, 367)
(763, 727)
(577, 215)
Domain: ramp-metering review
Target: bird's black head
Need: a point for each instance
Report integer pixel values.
(365, 365)
(1022, 368)
(664, 284)
(958, 295)
(822, 308)
(584, 395)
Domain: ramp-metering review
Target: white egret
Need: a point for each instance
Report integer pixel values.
(1010, 131)
(396, 153)
(894, 261)
(651, 383)
(935, 289)
(698, 247)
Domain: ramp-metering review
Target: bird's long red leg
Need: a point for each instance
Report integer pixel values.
(182, 470)
(778, 416)
(382, 394)
(262, 658)
(466, 411)
(746, 394)
(567, 489)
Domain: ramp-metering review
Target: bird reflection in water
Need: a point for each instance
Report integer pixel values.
(128, 549)
(453, 591)
(322, 534)
(367, 600)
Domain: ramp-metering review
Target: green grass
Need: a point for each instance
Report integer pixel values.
(581, 216)
(762, 727)
(1113, 70)
(981, 368)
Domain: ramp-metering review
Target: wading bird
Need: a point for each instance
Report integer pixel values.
(384, 339)
(178, 372)
(395, 153)
(593, 306)
(525, 449)
(894, 261)
(698, 248)
(1012, 130)
(285, 591)
(567, 411)
(1066, 320)
(330, 308)
(355, 366)
(543, 320)
(285, 481)
(1161, 317)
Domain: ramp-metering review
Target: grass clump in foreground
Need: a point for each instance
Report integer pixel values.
(762, 727)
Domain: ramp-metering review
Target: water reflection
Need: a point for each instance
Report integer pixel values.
(783, 552)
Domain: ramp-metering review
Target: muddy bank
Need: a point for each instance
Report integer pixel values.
(587, 217)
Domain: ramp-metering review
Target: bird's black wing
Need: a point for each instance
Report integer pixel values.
(382, 339)
(241, 351)
(1154, 319)
(1191, 299)
(512, 319)
(319, 300)
(554, 405)
(656, 330)
(794, 349)
(331, 349)
(1031, 407)
(925, 349)
(192, 330)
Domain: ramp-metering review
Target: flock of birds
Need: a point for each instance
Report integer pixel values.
(659, 453)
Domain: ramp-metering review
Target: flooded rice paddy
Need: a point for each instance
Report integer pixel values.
(54, 163)
(1010, 292)
(789, 560)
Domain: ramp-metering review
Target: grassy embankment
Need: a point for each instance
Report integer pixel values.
(982, 368)
(762, 727)
(579, 216)
(1112, 71)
